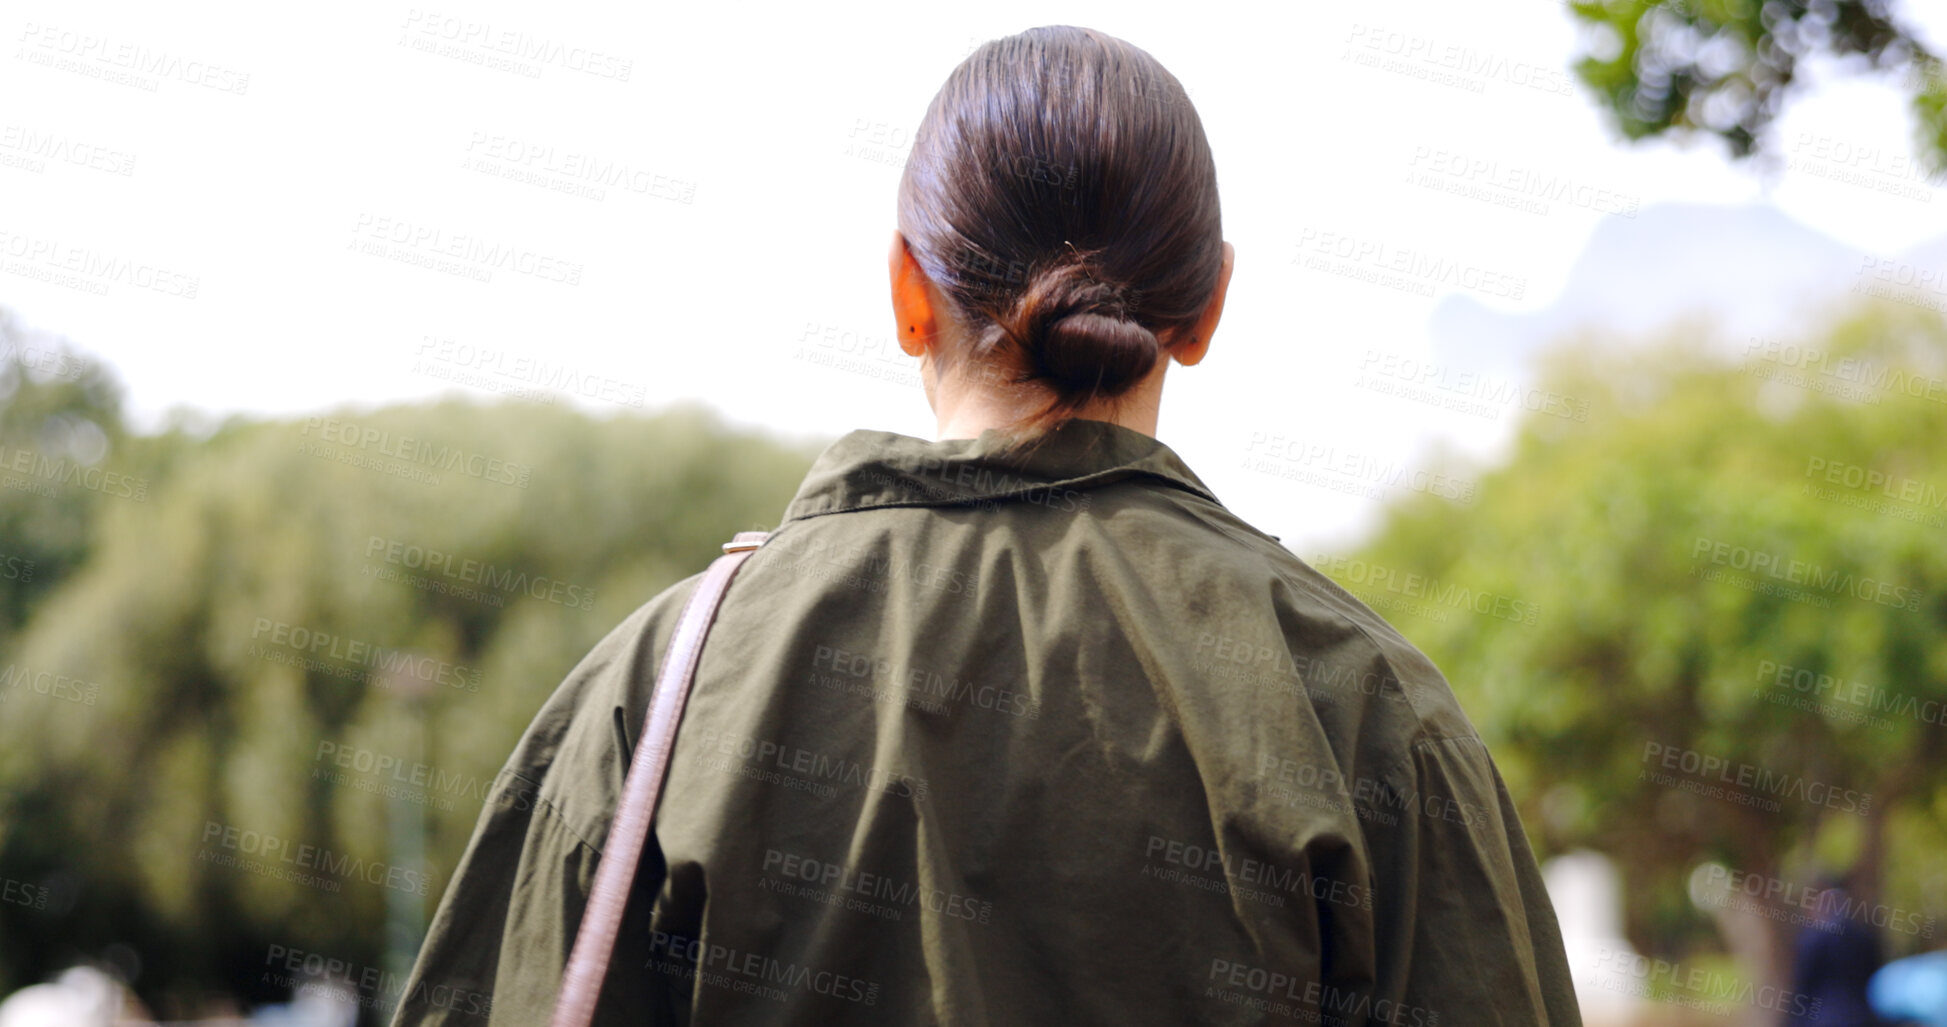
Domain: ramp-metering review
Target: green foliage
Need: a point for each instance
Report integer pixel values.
(1727, 67)
(186, 621)
(1611, 528)
(56, 407)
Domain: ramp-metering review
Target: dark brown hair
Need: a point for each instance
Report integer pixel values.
(1062, 195)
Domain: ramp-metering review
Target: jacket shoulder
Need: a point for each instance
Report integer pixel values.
(576, 751)
(1338, 643)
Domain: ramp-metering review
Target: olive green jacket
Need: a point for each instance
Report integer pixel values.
(992, 738)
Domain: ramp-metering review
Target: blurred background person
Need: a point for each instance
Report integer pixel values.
(1834, 958)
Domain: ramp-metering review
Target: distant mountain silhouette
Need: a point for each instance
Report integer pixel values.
(1751, 268)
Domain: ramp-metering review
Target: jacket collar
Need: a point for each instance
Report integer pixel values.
(867, 469)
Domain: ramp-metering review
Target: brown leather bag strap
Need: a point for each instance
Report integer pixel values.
(581, 985)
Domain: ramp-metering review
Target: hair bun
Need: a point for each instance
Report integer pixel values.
(1079, 335)
(1094, 352)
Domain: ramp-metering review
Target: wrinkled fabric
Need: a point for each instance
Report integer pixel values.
(984, 737)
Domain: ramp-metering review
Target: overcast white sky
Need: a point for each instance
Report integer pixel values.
(267, 151)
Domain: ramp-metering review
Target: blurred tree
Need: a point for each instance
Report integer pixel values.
(1825, 451)
(58, 409)
(1727, 67)
(228, 665)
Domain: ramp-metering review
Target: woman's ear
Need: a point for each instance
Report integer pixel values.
(912, 304)
(1197, 344)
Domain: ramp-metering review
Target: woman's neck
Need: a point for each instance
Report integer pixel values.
(965, 410)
